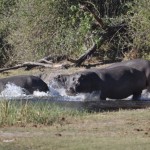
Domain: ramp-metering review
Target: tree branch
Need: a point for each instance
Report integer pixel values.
(29, 65)
(85, 6)
(86, 55)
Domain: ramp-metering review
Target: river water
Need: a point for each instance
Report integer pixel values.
(55, 93)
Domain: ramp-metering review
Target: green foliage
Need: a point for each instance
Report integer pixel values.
(31, 29)
(139, 23)
(39, 28)
(22, 113)
(36, 27)
(5, 12)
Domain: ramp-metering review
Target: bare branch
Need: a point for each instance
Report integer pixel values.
(86, 55)
(99, 20)
(29, 65)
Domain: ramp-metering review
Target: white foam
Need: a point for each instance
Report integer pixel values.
(145, 95)
(40, 94)
(60, 92)
(55, 90)
(12, 90)
(57, 93)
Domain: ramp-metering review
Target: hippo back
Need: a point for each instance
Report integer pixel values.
(28, 82)
(121, 81)
(117, 82)
(139, 64)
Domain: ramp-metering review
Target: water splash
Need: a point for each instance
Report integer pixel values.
(12, 90)
(41, 94)
(55, 90)
(56, 93)
(145, 95)
(61, 93)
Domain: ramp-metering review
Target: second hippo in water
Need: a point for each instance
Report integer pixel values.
(27, 82)
(115, 83)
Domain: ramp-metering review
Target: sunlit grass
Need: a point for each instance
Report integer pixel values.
(123, 129)
(22, 113)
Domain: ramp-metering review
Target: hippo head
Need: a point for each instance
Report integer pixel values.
(62, 80)
(83, 83)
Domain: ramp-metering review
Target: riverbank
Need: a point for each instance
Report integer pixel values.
(123, 129)
(43, 126)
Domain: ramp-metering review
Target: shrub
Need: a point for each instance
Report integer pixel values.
(31, 29)
(139, 26)
(40, 28)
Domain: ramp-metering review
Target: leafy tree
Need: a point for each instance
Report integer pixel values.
(31, 29)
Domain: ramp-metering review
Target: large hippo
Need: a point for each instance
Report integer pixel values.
(28, 82)
(115, 83)
(139, 64)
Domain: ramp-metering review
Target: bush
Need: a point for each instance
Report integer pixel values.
(6, 7)
(40, 28)
(31, 29)
(139, 27)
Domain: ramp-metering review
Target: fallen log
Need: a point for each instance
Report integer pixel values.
(28, 66)
(52, 59)
(44, 61)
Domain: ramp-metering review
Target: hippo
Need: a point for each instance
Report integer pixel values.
(63, 80)
(28, 82)
(139, 64)
(114, 83)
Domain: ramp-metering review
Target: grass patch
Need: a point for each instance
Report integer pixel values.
(23, 113)
(123, 129)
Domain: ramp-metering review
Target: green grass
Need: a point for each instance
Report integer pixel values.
(42, 126)
(78, 143)
(23, 113)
